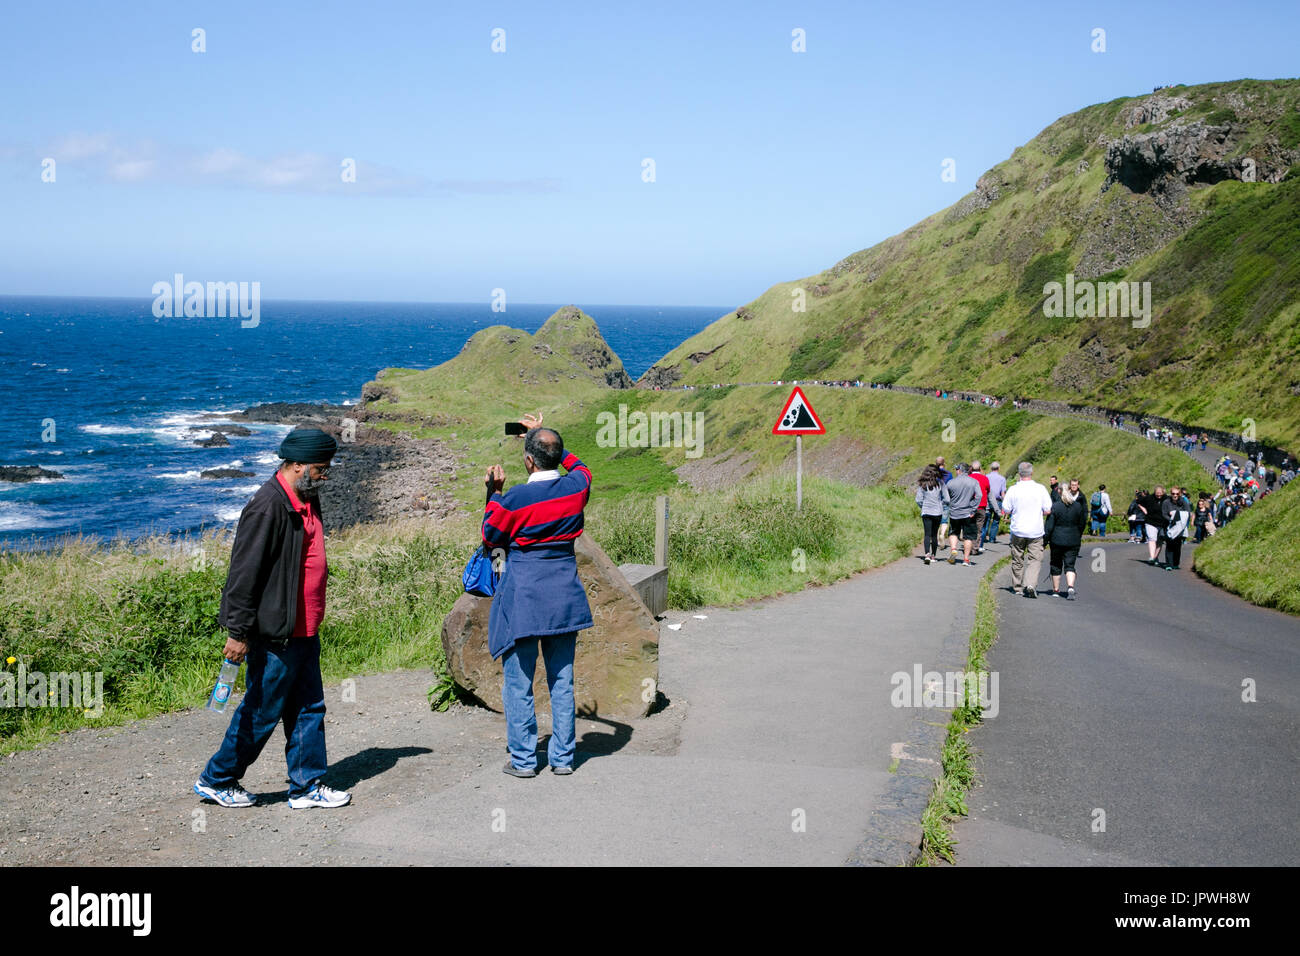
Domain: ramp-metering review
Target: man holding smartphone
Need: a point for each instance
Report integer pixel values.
(540, 602)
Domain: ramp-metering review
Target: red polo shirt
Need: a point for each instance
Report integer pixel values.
(982, 480)
(311, 580)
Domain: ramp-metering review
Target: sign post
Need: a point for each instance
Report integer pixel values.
(798, 419)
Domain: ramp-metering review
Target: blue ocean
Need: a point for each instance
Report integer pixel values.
(122, 394)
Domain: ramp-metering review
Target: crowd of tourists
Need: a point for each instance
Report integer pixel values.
(961, 511)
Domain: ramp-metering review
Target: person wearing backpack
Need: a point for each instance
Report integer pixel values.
(1100, 510)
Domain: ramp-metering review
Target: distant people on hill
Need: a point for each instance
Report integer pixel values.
(964, 493)
(932, 498)
(1099, 510)
(1064, 531)
(1025, 505)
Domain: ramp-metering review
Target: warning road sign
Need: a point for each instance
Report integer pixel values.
(798, 417)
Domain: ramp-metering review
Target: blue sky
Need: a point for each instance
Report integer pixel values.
(522, 170)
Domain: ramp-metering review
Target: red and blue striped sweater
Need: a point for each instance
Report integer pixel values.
(536, 524)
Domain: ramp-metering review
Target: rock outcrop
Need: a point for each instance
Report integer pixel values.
(616, 670)
(24, 473)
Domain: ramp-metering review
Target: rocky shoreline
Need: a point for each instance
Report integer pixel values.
(24, 473)
(377, 475)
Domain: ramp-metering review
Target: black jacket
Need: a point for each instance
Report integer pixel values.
(1065, 525)
(1155, 509)
(260, 599)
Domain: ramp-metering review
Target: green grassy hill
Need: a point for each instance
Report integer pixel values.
(1141, 189)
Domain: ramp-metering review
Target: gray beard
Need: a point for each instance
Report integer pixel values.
(308, 487)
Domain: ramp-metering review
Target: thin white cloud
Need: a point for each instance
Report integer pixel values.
(104, 156)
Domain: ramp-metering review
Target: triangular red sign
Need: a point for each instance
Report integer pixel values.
(798, 417)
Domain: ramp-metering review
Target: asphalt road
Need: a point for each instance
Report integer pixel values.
(1128, 700)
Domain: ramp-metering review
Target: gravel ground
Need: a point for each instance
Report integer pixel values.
(121, 796)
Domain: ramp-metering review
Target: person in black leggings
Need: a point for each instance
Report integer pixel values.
(1065, 527)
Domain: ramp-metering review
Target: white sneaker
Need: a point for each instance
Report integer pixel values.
(235, 796)
(320, 796)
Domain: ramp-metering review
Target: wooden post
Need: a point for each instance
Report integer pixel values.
(798, 473)
(661, 530)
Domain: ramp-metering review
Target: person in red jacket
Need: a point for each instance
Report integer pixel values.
(982, 509)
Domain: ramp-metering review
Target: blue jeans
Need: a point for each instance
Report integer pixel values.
(283, 684)
(990, 530)
(519, 663)
(1099, 527)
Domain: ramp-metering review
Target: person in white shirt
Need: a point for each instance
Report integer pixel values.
(1026, 504)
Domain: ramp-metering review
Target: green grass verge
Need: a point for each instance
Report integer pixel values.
(948, 798)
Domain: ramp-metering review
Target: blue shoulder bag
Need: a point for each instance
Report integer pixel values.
(479, 577)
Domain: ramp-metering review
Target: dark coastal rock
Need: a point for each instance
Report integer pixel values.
(382, 475)
(225, 473)
(616, 668)
(217, 440)
(659, 377)
(292, 413)
(21, 473)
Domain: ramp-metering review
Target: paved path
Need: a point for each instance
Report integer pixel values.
(1129, 700)
(780, 712)
(788, 717)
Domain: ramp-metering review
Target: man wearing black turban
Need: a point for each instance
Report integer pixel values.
(272, 606)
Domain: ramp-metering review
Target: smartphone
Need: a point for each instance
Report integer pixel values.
(516, 428)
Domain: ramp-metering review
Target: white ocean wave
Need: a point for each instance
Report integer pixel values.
(18, 517)
(229, 514)
(270, 458)
(179, 475)
(113, 429)
(241, 489)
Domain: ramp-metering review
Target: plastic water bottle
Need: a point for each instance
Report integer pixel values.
(225, 685)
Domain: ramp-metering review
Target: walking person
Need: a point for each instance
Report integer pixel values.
(1176, 516)
(982, 510)
(997, 488)
(1153, 518)
(540, 600)
(932, 497)
(1204, 517)
(964, 492)
(1026, 504)
(946, 475)
(1136, 527)
(1064, 531)
(1100, 510)
(272, 607)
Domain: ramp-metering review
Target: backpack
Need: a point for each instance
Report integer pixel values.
(1096, 502)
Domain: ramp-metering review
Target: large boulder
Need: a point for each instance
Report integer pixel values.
(614, 659)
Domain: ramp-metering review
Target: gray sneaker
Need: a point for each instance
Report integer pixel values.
(235, 796)
(514, 771)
